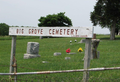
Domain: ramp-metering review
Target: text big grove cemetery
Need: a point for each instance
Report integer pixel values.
(86, 32)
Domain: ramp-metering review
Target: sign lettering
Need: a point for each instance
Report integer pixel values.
(52, 31)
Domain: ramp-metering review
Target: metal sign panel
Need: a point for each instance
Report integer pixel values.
(86, 32)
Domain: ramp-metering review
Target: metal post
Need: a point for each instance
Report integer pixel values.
(15, 69)
(87, 59)
(13, 49)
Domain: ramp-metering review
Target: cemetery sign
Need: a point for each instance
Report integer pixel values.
(86, 32)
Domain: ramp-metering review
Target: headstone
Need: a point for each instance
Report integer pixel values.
(57, 53)
(95, 54)
(82, 41)
(32, 50)
(41, 37)
(67, 58)
(44, 61)
(71, 53)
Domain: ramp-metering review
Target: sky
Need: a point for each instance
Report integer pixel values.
(27, 12)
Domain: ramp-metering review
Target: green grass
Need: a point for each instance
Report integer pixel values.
(109, 57)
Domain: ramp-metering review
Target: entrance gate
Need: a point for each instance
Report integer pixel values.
(80, 32)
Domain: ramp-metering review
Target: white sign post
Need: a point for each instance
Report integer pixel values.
(84, 32)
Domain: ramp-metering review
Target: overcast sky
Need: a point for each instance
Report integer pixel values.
(27, 12)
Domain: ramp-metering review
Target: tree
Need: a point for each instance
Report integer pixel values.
(117, 30)
(106, 14)
(55, 20)
(4, 29)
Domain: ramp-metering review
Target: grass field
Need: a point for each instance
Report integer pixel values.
(109, 57)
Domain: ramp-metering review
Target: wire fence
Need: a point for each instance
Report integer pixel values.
(75, 76)
(96, 75)
(47, 78)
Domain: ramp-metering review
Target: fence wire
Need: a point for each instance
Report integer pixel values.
(47, 78)
(64, 77)
(94, 76)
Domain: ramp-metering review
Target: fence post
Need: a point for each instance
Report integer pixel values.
(15, 69)
(13, 49)
(87, 59)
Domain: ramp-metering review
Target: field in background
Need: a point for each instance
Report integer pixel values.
(109, 57)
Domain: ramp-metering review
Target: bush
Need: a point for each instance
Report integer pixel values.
(4, 29)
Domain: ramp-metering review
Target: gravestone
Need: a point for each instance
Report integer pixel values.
(71, 53)
(95, 53)
(82, 41)
(67, 58)
(44, 61)
(32, 50)
(57, 53)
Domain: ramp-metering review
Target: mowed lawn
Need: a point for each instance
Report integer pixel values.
(109, 57)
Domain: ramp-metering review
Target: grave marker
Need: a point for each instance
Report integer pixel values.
(67, 58)
(95, 53)
(32, 50)
(57, 53)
